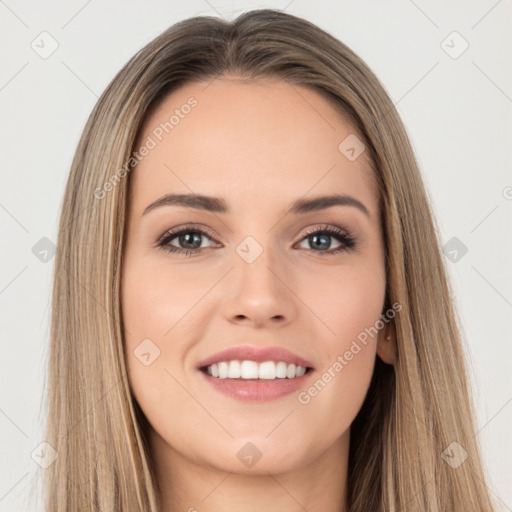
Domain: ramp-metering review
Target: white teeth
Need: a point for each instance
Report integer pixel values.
(234, 370)
(223, 370)
(249, 370)
(268, 370)
(300, 371)
(281, 370)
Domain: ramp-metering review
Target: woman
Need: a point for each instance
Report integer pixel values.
(210, 349)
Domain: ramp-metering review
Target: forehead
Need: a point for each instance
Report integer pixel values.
(252, 142)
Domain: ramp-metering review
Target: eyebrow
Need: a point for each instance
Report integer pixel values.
(219, 205)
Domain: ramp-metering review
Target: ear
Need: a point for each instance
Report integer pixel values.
(386, 345)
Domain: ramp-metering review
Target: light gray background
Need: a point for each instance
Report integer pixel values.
(457, 112)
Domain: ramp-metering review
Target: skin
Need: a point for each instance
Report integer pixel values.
(260, 145)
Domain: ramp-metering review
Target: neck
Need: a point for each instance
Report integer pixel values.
(187, 485)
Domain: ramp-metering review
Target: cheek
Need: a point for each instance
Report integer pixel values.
(339, 387)
(157, 311)
(349, 301)
(332, 401)
(165, 304)
(155, 299)
(350, 306)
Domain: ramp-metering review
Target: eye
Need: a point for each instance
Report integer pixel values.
(189, 237)
(319, 239)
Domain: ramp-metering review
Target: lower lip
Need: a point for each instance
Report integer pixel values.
(252, 390)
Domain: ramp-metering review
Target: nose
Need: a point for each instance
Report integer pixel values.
(260, 294)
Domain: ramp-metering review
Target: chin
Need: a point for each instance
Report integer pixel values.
(257, 455)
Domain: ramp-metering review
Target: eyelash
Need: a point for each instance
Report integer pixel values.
(347, 241)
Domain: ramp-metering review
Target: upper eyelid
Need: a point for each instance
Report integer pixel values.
(175, 232)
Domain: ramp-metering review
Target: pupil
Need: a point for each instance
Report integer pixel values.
(190, 239)
(324, 243)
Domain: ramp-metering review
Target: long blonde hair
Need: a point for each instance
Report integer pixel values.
(414, 411)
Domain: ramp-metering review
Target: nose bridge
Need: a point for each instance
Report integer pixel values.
(259, 292)
(255, 267)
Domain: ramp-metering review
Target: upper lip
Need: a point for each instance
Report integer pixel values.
(258, 354)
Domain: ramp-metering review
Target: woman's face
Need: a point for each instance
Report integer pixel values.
(254, 280)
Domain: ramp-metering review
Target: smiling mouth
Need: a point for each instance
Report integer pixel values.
(255, 371)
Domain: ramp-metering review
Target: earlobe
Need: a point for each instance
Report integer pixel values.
(386, 349)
